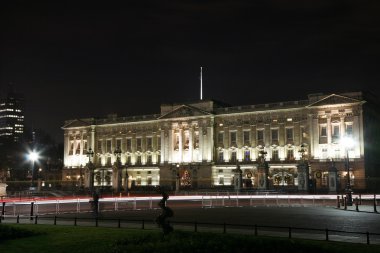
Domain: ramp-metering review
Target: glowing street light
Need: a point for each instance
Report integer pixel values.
(348, 143)
(33, 157)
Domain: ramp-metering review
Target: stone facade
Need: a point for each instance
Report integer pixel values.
(200, 145)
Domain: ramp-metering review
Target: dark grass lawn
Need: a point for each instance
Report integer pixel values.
(55, 239)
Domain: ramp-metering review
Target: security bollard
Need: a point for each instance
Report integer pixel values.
(374, 203)
(357, 204)
(31, 210)
(345, 203)
(338, 202)
(3, 211)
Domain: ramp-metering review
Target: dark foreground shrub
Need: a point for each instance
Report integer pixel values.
(182, 242)
(8, 232)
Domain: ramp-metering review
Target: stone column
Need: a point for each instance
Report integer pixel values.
(342, 127)
(210, 146)
(170, 146)
(180, 145)
(329, 130)
(201, 144)
(191, 147)
(66, 147)
(163, 147)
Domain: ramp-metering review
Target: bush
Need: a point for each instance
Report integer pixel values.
(7, 233)
(183, 242)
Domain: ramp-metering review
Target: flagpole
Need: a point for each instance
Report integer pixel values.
(201, 85)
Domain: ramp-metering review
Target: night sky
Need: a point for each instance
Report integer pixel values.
(73, 60)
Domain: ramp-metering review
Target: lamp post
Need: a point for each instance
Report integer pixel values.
(33, 157)
(347, 144)
(177, 179)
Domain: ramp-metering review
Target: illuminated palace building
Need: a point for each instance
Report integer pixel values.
(293, 146)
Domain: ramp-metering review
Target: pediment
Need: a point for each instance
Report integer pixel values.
(334, 99)
(76, 123)
(184, 111)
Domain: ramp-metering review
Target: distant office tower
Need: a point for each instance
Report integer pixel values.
(11, 117)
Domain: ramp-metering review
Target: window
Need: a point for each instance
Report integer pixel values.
(335, 134)
(187, 141)
(260, 135)
(275, 155)
(149, 180)
(85, 146)
(290, 155)
(138, 144)
(118, 143)
(158, 158)
(220, 137)
(349, 129)
(129, 145)
(100, 150)
(158, 142)
(176, 141)
(108, 146)
(149, 143)
(233, 156)
(323, 131)
(196, 139)
(138, 159)
(129, 160)
(220, 156)
(246, 138)
(233, 138)
(77, 150)
(289, 134)
(149, 159)
(71, 150)
(336, 130)
(247, 155)
(274, 134)
(322, 134)
(221, 180)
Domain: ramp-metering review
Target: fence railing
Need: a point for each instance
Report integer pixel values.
(252, 229)
(58, 206)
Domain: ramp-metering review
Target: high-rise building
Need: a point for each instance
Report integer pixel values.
(11, 117)
(326, 143)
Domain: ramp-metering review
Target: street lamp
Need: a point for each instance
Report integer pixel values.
(348, 143)
(33, 157)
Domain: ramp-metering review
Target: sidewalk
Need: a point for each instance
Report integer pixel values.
(361, 208)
